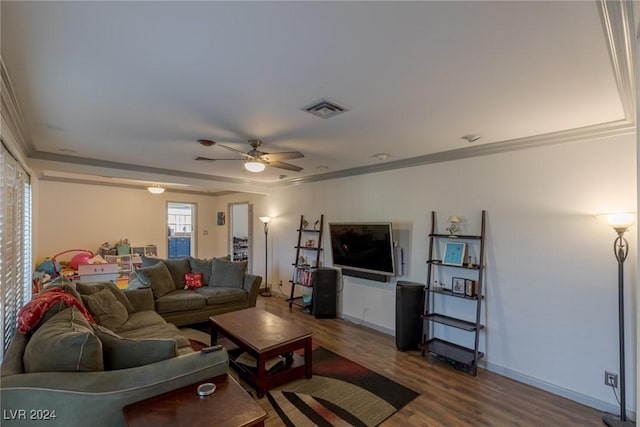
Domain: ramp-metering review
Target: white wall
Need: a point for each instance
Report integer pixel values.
(551, 278)
(82, 216)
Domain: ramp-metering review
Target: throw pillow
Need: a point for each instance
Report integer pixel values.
(201, 266)
(148, 262)
(123, 353)
(106, 309)
(65, 343)
(193, 280)
(178, 268)
(227, 274)
(89, 289)
(158, 278)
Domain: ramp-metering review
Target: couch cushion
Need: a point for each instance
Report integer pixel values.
(89, 289)
(166, 331)
(106, 309)
(158, 278)
(201, 266)
(122, 353)
(227, 274)
(149, 261)
(180, 300)
(141, 319)
(178, 268)
(65, 343)
(220, 296)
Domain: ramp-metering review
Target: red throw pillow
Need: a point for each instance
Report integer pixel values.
(193, 280)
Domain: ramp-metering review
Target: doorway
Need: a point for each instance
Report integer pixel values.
(240, 232)
(181, 218)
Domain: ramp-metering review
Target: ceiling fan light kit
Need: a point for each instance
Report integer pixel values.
(254, 166)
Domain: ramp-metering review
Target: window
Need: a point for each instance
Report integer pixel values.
(15, 243)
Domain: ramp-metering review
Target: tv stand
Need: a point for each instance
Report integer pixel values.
(365, 275)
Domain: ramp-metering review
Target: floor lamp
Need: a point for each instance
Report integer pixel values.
(620, 223)
(267, 290)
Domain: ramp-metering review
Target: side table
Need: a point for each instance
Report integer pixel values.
(229, 406)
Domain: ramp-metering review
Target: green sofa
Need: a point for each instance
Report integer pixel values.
(69, 372)
(226, 286)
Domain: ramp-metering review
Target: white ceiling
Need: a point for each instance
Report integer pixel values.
(125, 89)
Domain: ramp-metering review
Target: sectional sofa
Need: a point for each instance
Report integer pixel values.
(93, 353)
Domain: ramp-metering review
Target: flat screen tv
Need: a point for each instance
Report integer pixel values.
(365, 247)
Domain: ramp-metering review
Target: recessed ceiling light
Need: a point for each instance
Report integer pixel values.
(322, 168)
(381, 156)
(471, 137)
(68, 151)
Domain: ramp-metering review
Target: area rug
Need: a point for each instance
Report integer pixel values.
(340, 393)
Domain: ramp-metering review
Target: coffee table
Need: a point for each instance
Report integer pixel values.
(228, 406)
(264, 335)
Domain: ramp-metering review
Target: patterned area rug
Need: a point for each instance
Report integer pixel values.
(340, 393)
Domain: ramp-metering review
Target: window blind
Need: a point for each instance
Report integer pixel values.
(15, 243)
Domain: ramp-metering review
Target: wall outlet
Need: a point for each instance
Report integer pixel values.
(610, 379)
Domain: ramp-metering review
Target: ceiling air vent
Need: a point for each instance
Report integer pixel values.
(324, 108)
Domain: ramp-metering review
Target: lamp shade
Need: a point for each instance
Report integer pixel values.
(453, 218)
(265, 219)
(619, 220)
(254, 166)
(155, 189)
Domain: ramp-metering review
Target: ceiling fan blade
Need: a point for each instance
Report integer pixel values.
(274, 157)
(283, 165)
(208, 159)
(242, 153)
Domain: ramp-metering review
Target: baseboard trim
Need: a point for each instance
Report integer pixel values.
(361, 322)
(554, 389)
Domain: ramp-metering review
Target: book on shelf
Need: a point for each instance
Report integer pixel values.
(303, 276)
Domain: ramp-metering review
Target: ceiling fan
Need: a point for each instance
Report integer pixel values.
(255, 160)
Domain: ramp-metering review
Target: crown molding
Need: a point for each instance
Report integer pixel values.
(86, 161)
(14, 129)
(617, 128)
(131, 186)
(620, 34)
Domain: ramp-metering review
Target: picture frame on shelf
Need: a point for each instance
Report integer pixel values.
(454, 253)
(458, 285)
(471, 288)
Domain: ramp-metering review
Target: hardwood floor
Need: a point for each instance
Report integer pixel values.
(447, 397)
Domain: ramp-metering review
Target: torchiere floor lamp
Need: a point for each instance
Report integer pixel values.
(267, 289)
(620, 222)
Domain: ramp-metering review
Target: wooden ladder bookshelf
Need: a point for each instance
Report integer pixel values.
(473, 292)
(303, 268)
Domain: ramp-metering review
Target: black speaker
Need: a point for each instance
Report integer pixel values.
(325, 293)
(409, 306)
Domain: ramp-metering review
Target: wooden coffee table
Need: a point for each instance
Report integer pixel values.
(228, 406)
(264, 336)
